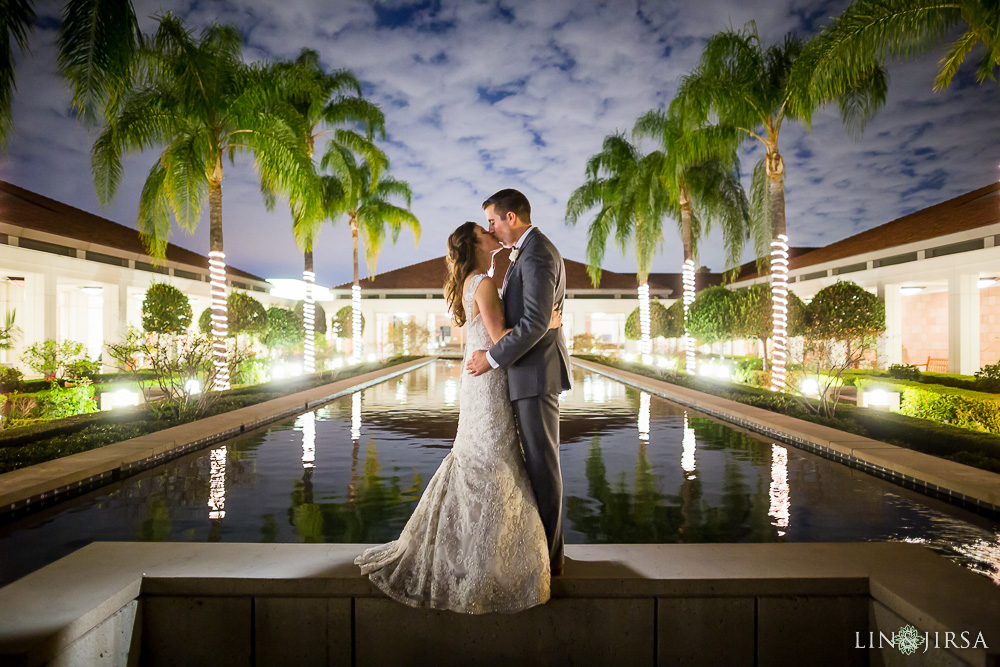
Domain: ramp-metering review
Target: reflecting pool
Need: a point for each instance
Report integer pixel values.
(636, 468)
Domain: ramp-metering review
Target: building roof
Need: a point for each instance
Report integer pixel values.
(431, 274)
(23, 208)
(973, 209)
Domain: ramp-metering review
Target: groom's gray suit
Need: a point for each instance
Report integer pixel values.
(537, 365)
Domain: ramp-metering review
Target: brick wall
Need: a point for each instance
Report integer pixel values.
(989, 325)
(925, 327)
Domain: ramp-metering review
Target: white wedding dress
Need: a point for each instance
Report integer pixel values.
(475, 543)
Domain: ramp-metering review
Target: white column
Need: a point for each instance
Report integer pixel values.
(113, 318)
(890, 345)
(963, 323)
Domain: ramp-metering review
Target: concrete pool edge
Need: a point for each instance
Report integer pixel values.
(796, 603)
(960, 484)
(23, 490)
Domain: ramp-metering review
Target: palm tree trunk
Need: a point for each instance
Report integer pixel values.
(309, 315)
(217, 269)
(687, 276)
(355, 296)
(779, 267)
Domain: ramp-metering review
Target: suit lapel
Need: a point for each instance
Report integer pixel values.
(510, 267)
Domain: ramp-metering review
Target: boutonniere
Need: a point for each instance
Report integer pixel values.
(513, 254)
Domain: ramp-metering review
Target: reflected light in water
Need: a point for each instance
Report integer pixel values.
(450, 391)
(984, 552)
(356, 415)
(643, 416)
(780, 501)
(598, 389)
(308, 423)
(687, 451)
(401, 392)
(217, 485)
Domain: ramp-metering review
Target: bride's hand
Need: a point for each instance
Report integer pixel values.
(557, 318)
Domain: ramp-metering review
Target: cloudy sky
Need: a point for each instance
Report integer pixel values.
(480, 96)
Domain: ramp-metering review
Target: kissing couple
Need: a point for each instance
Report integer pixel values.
(486, 535)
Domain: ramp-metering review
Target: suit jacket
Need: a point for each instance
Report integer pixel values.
(535, 356)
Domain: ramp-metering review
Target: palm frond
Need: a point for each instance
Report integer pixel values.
(184, 184)
(760, 212)
(97, 40)
(16, 20)
(154, 212)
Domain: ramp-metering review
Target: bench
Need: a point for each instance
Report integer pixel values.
(934, 365)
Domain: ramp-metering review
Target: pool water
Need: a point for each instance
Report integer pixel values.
(636, 469)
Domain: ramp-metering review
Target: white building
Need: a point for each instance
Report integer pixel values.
(72, 275)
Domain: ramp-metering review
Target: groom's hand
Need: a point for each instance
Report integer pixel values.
(478, 364)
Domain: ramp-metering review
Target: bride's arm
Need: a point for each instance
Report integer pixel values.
(488, 301)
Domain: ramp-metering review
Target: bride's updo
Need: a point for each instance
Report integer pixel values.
(461, 260)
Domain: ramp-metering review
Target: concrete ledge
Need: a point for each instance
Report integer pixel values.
(23, 490)
(710, 604)
(963, 485)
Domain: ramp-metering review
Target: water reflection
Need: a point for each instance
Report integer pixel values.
(307, 423)
(644, 416)
(686, 478)
(688, 444)
(217, 484)
(780, 502)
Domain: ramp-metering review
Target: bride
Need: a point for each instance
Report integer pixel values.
(475, 543)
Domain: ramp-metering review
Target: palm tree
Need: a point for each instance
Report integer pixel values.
(870, 31)
(748, 86)
(324, 102)
(621, 182)
(97, 39)
(700, 176)
(201, 101)
(360, 189)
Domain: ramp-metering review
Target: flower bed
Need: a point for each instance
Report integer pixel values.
(44, 441)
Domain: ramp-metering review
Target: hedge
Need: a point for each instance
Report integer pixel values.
(977, 449)
(36, 443)
(974, 410)
(944, 379)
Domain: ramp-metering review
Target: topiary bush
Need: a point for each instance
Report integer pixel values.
(245, 315)
(343, 323)
(165, 310)
(284, 328)
(660, 324)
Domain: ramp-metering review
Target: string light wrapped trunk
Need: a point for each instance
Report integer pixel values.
(688, 280)
(779, 304)
(220, 322)
(309, 320)
(645, 343)
(356, 324)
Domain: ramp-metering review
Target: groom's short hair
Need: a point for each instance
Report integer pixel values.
(508, 200)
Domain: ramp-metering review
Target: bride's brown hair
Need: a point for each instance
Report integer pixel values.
(461, 260)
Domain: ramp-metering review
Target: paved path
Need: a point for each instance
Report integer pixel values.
(959, 483)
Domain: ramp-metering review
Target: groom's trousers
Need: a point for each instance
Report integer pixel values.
(538, 425)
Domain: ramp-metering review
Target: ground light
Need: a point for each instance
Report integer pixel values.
(119, 398)
(192, 387)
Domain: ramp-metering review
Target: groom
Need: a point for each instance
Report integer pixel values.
(534, 355)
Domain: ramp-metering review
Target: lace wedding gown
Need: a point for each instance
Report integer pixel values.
(475, 543)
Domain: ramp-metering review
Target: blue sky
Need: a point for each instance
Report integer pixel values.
(484, 95)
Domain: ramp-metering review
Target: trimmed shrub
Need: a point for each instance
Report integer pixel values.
(246, 315)
(165, 310)
(660, 325)
(284, 328)
(904, 372)
(343, 326)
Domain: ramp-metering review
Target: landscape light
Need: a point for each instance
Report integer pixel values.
(722, 372)
(688, 281)
(309, 319)
(779, 306)
(809, 387)
(120, 398)
(220, 323)
(192, 387)
(628, 356)
(665, 362)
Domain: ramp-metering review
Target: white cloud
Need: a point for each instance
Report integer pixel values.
(573, 73)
